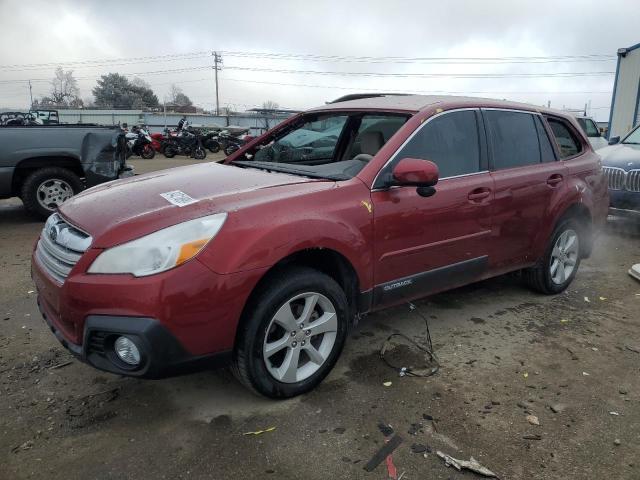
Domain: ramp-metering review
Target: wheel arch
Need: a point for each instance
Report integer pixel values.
(325, 260)
(29, 165)
(581, 213)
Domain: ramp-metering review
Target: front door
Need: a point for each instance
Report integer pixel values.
(424, 245)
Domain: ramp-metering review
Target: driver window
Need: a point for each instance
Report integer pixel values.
(313, 143)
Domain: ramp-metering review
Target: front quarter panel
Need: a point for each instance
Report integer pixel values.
(337, 217)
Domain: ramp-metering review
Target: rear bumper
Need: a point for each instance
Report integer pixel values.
(625, 213)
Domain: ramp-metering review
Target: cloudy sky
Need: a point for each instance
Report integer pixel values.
(301, 54)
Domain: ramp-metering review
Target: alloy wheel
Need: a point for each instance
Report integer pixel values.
(564, 257)
(300, 337)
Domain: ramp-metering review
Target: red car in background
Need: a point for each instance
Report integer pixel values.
(266, 261)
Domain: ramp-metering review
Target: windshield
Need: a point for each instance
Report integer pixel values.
(589, 127)
(633, 137)
(334, 146)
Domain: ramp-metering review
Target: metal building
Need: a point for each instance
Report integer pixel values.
(625, 102)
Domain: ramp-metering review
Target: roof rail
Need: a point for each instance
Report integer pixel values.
(358, 96)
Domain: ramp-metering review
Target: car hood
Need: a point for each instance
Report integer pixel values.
(623, 156)
(119, 211)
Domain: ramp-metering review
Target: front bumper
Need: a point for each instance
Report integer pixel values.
(161, 354)
(182, 319)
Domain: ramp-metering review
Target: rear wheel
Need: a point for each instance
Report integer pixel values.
(292, 335)
(213, 146)
(170, 151)
(559, 265)
(45, 190)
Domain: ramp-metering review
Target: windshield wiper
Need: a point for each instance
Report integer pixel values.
(631, 143)
(278, 167)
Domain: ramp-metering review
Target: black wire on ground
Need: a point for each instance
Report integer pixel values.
(427, 349)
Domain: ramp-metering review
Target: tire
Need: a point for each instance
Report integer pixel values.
(51, 183)
(148, 152)
(230, 149)
(170, 151)
(543, 277)
(299, 286)
(199, 153)
(213, 146)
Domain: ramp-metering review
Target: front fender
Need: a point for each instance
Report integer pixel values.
(263, 235)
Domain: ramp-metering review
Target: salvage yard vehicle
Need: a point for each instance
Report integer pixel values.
(621, 162)
(47, 165)
(266, 261)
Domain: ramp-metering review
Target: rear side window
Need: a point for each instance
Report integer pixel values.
(546, 150)
(513, 138)
(451, 141)
(567, 141)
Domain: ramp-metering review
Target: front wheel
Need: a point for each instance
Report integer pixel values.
(148, 152)
(559, 265)
(292, 334)
(199, 153)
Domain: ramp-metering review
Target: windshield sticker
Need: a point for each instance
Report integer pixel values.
(178, 198)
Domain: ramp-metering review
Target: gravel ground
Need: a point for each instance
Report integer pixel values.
(572, 361)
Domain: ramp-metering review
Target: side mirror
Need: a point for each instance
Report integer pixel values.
(416, 173)
(614, 140)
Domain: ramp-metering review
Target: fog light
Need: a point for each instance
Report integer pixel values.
(127, 351)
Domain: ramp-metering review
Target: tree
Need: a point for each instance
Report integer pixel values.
(116, 91)
(178, 97)
(64, 91)
(270, 105)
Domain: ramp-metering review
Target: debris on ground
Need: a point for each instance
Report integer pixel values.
(420, 448)
(532, 436)
(384, 451)
(385, 429)
(585, 374)
(260, 432)
(533, 420)
(634, 271)
(558, 407)
(615, 414)
(472, 464)
(617, 441)
(387, 384)
(632, 349)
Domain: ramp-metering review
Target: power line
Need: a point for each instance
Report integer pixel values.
(415, 91)
(423, 75)
(312, 57)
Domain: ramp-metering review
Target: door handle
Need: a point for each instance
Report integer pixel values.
(554, 179)
(478, 194)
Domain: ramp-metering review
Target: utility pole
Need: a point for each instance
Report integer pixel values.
(30, 95)
(217, 60)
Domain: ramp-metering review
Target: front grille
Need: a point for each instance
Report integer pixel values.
(633, 181)
(616, 177)
(60, 247)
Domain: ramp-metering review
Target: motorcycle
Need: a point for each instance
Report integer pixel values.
(229, 143)
(139, 143)
(186, 143)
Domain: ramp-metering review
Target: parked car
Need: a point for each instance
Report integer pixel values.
(46, 165)
(590, 128)
(621, 162)
(266, 264)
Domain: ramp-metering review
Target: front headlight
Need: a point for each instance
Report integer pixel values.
(161, 250)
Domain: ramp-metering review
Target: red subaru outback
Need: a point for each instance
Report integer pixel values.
(264, 262)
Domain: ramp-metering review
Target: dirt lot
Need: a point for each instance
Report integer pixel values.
(505, 353)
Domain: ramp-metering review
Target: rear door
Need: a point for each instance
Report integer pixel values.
(527, 177)
(423, 245)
